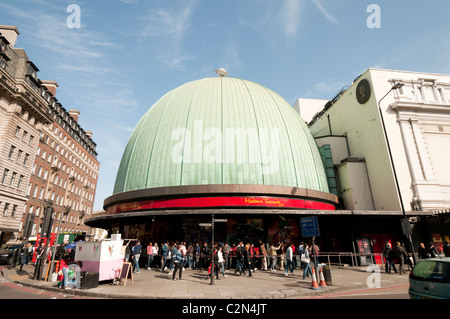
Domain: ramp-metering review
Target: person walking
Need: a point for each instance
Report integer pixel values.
(149, 255)
(400, 253)
(408, 260)
(136, 254)
(240, 259)
(190, 256)
(273, 257)
(247, 260)
(306, 262)
(173, 250)
(197, 252)
(263, 250)
(204, 258)
(289, 256)
(280, 254)
(251, 250)
(392, 257)
(386, 249)
(432, 251)
(165, 253)
(422, 252)
(29, 253)
(178, 261)
(221, 261)
(226, 256)
(301, 247)
(183, 253)
(167, 259)
(233, 256)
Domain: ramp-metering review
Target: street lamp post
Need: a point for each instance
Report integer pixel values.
(395, 87)
(212, 250)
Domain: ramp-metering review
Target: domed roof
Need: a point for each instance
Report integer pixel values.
(221, 131)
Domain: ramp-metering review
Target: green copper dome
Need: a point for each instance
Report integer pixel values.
(221, 131)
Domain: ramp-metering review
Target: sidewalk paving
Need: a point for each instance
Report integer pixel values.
(153, 284)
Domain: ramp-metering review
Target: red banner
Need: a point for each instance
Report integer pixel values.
(203, 202)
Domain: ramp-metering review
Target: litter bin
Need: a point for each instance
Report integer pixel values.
(89, 280)
(327, 274)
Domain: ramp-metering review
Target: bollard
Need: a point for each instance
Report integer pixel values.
(327, 274)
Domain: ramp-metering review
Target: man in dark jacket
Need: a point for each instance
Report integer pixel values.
(401, 253)
(391, 259)
(239, 259)
(136, 254)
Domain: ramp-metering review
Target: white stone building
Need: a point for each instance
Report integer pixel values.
(417, 121)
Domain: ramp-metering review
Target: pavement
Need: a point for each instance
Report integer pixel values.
(154, 284)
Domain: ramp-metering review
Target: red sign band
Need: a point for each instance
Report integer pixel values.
(204, 202)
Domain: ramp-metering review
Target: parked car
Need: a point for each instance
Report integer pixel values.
(6, 253)
(430, 279)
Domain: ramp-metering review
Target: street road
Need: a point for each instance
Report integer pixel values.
(397, 292)
(10, 290)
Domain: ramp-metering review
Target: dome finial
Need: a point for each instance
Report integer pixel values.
(222, 72)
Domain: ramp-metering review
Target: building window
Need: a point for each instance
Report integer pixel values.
(20, 181)
(31, 140)
(5, 175)
(24, 136)
(14, 209)
(5, 209)
(17, 131)
(19, 154)
(13, 177)
(25, 159)
(29, 189)
(11, 152)
(35, 191)
(3, 62)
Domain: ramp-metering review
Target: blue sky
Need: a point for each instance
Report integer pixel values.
(128, 53)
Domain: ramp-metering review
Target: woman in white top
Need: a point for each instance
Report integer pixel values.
(221, 260)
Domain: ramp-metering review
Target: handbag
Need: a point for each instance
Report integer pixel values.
(304, 259)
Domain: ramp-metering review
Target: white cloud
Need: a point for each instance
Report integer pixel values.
(326, 14)
(289, 16)
(168, 28)
(271, 20)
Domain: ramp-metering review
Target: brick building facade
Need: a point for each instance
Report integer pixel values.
(46, 157)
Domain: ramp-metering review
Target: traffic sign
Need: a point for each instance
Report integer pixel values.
(406, 227)
(309, 226)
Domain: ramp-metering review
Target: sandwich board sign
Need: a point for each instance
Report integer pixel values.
(309, 226)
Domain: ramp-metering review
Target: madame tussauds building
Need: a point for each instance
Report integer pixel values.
(222, 146)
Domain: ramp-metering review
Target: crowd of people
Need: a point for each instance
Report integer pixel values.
(173, 257)
(400, 255)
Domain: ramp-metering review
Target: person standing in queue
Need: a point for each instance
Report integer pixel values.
(247, 259)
